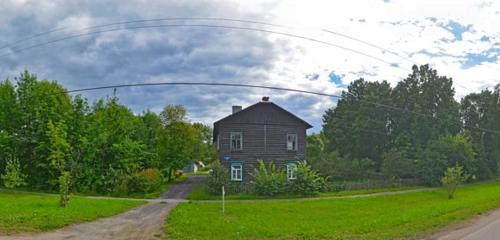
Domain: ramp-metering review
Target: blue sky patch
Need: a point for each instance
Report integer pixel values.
(336, 78)
(456, 29)
(474, 59)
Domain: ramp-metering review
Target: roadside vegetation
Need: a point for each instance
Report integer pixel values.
(413, 130)
(402, 216)
(103, 146)
(22, 212)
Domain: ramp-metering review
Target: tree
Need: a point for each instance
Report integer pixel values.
(306, 182)
(447, 151)
(172, 113)
(64, 188)
(356, 128)
(176, 146)
(452, 178)
(13, 177)
(218, 177)
(429, 109)
(397, 164)
(482, 111)
(59, 151)
(204, 150)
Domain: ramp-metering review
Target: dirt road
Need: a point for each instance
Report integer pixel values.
(145, 222)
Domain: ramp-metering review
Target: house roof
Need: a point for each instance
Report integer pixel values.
(252, 107)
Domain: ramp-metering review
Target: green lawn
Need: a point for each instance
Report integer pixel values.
(21, 212)
(200, 193)
(403, 216)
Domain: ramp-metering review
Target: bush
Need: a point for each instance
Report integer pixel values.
(64, 185)
(217, 178)
(13, 177)
(145, 181)
(268, 181)
(307, 181)
(453, 177)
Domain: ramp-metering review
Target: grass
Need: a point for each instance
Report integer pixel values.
(22, 212)
(199, 193)
(403, 216)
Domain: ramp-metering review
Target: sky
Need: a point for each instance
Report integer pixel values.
(310, 45)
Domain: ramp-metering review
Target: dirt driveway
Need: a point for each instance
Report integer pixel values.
(145, 222)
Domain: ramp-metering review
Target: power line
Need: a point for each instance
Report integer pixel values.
(263, 87)
(206, 26)
(19, 41)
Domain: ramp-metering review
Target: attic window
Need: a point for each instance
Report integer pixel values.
(236, 141)
(291, 142)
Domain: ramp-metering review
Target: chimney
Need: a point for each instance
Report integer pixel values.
(236, 109)
(265, 99)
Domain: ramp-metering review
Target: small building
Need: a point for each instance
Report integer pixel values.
(263, 131)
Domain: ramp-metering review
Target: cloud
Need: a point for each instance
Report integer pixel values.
(459, 40)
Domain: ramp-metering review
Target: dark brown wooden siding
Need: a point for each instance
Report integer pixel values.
(264, 129)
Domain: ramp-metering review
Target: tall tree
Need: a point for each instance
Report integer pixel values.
(429, 109)
(173, 113)
(357, 128)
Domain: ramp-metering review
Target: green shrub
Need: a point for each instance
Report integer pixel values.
(145, 181)
(307, 181)
(64, 186)
(268, 181)
(453, 177)
(218, 177)
(13, 177)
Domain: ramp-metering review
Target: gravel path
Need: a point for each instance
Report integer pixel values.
(144, 222)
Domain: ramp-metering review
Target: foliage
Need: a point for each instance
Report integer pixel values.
(35, 213)
(102, 144)
(307, 181)
(400, 216)
(268, 180)
(396, 165)
(13, 177)
(176, 146)
(218, 177)
(453, 177)
(64, 188)
(145, 181)
(173, 113)
(445, 152)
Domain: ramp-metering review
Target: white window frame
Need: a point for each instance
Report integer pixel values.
(289, 144)
(291, 168)
(235, 168)
(231, 136)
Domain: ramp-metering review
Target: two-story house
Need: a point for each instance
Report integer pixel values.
(263, 131)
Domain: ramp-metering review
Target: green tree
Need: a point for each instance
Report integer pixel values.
(204, 150)
(59, 152)
(356, 128)
(219, 176)
(173, 113)
(13, 177)
(429, 109)
(64, 188)
(176, 146)
(445, 152)
(453, 177)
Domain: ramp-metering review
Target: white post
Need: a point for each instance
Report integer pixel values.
(223, 193)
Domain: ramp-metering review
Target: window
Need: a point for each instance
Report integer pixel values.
(291, 168)
(291, 142)
(236, 171)
(236, 141)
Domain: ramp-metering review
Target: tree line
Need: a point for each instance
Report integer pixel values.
(415, 129)
(46, 132)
